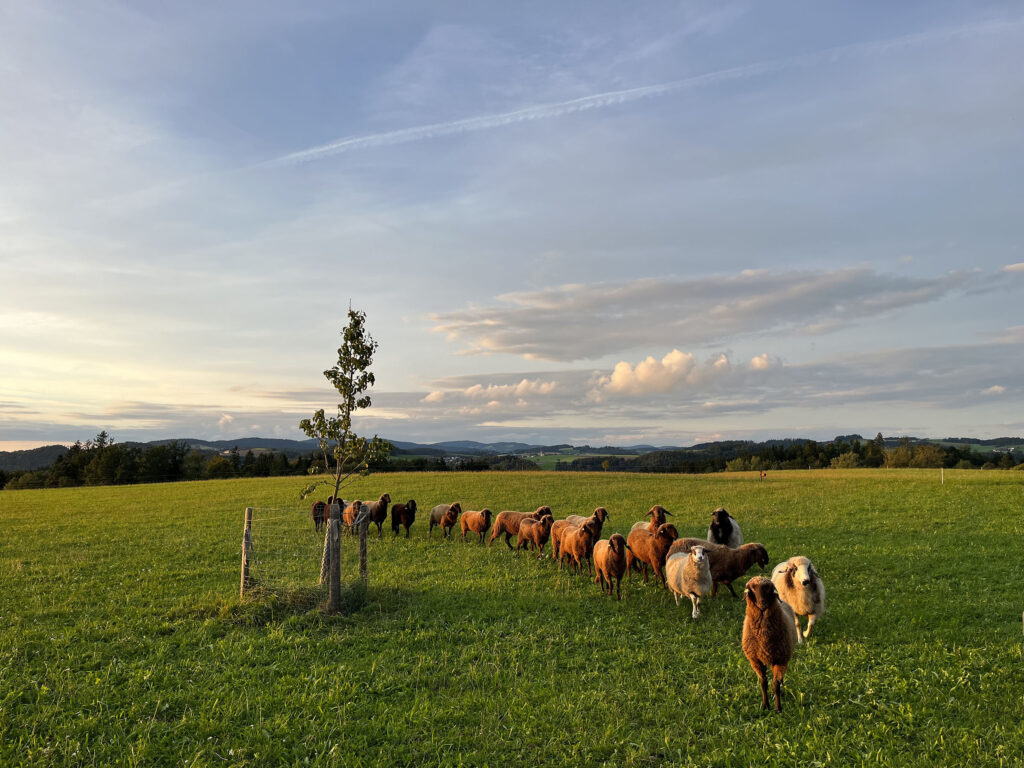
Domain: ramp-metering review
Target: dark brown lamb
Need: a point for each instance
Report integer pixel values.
(769, 636)
(403, 515)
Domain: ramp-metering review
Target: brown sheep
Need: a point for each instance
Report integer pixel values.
(403, 515)
(610, 562)
(657, 514)
(352, 511)
(650, 549)
(477, 522)
(769, 636)
(378, 511)
(727, 565)
(578, 544)
(534, 533)
(507, 522)
(560, 526)
(319, 512)
(444, 515)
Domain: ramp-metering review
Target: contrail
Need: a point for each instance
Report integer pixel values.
(610, 98)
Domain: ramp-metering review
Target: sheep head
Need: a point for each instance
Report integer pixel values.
(698, 555)
(411, 505)
(801, 571)
(617, 543)
(601, 514)
(456, 508)
(541, 511)
(761, 593)
(667, 531)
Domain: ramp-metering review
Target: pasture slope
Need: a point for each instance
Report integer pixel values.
(122, 641)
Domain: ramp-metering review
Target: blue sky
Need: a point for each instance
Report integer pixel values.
(585, 222)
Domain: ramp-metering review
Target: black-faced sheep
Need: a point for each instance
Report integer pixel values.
(444, 515)
(507, 522)
(769, 636)
(477, 522)
(403, 515)
(610, 563)
(802, 589)
(657, 515)
(724, 529)
(689, 575)
(727, 565)
(650, 549)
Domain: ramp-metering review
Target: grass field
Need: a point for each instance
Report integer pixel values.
(122, 641)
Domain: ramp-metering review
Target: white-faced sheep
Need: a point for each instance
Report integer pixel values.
(724, 529)
(689, 575)
(801, 587)
(657, 515)
(769, 636)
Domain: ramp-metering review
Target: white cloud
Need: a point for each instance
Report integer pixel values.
(763, 362)
(1018, 267)
(590, 320)
(225, 421)
(434, 397)
(996, 389)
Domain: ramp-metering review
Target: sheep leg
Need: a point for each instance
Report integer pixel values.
(407, 531)
(729, 585)
(760, 669)
(799, 635)
(508, 539)
(676, 596)
(695, 601)
(778, 670)
(618, 587)
(810, 623)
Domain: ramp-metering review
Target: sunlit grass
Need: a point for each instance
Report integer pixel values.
(122, 640)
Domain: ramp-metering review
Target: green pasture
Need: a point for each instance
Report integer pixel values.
(122, 640)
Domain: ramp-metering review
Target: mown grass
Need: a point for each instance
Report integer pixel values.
(122, 641)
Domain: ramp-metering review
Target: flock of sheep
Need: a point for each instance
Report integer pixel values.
(690, 567)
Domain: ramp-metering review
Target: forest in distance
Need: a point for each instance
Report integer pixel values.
(103, 461)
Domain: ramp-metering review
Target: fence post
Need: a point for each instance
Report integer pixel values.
(362, 549)
(325, 558)
(246, 552)
(334, 582)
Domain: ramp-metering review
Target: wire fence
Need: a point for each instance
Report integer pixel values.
(286, 555)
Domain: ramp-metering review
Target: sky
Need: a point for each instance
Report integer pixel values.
(584, 222)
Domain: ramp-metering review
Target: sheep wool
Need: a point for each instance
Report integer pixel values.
(689, 575)
(800, 586)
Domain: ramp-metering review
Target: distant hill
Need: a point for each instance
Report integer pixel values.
(34, 458)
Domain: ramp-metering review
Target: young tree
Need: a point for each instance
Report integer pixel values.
(346, 454)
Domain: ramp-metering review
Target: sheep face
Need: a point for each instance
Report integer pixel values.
(761, 557)
(601, 514)
(541, 511)
(386, 498)
(456, 508)
(760, 592)
(698, 555)
(668, 531)
(657, 513)
(411, 505)
(617, 544)
(801, 571)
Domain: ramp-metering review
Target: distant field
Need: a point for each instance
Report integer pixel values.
(548, 460)
(122, 643)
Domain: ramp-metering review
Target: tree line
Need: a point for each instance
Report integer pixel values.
(103, 461)
(840, 453)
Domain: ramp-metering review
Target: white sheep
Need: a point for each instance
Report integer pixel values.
(800, 586)
(689, 575)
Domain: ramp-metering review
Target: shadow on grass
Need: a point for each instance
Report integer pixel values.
(264, 604)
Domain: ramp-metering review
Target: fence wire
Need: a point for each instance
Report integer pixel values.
(286, 555)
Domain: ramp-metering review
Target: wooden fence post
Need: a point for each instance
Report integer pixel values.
(334, 582)
(325, 558)
(246, 552)
(362, 549)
